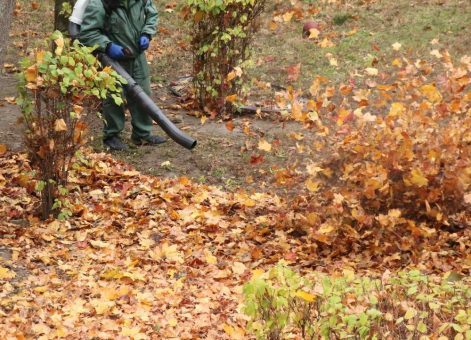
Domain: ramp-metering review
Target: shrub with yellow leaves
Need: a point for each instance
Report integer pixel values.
(57, 90)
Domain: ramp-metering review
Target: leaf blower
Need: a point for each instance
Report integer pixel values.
(134, 91)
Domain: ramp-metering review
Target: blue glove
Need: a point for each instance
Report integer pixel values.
(115, 51)
(144, 42)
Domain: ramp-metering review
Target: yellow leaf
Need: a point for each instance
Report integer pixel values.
(396, 109)
(410, 313)
(210, 258)
(59, 45)
(6, 273)
(31, 73)
(325, 228)
(305, 296)
(99, 244)
(288, 16)
(102, 306)
(326, 43)
(78, 109)
(234, 332)
(436, 53)
(431, 92)
(230, 76)
(60, 125)
(134, 332)
(238, 268)
(371, 71)
(418, 178)
(172, 322)
(313, 33)
(311, 185)
(3, 149)
(264, 145)
(396, 46)
(40, 56)
(257, 273)
(203, 119)
(41, 289)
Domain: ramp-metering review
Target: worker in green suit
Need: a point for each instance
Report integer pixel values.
(123, 29)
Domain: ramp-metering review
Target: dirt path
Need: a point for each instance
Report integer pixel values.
(220, 158)
(10, 130)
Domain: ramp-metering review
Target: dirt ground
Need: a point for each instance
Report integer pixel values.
(222, 156)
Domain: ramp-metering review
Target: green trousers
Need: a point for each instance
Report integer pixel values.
(114, 114)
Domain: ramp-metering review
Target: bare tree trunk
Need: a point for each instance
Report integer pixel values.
(6, 16)
(61, 21)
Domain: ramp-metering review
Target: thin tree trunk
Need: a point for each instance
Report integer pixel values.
(6, 16)
(61, 21)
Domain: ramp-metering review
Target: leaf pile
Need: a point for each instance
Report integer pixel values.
(390, 177)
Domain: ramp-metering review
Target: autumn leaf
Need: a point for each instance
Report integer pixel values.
(371, 71)
(232, 98)
(6, 273)
(60, 125)
(431, 92)
(293, 72)
(59, 41)
(31, 74)
(230, 125)
(264, 146)
(3, 149)
(305, 296)
(325, 228)
(396, 46)
(417, 178)
(397, 109)
(311, 185)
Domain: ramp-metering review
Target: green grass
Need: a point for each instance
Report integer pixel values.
(414, 24)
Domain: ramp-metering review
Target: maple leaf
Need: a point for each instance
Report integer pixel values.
(294, 72)
(417, 178)
(264, 145)
(3, 149)
(60, 125)
(5, 273)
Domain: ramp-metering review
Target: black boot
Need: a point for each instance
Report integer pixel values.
(150, 140)
(115, 143)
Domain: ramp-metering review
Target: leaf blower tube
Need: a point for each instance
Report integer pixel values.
(134, 91)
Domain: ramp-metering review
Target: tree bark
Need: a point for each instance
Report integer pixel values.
(61, 21)
(6, 16)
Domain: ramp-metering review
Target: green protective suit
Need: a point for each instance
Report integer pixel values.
(123, 25)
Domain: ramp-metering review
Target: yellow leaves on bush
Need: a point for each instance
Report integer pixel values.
(31, 73)
(59, 45)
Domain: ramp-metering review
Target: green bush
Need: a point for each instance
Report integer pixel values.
(410, 305)
(57, 90)
(222, 33)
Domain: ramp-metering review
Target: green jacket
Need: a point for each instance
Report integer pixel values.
(123, 25)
